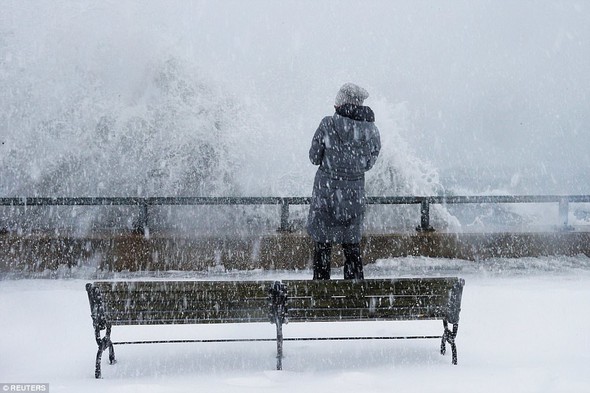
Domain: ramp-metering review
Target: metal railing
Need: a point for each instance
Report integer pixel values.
(284, 202)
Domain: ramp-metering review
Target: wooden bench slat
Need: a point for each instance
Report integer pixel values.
(330, 288)
(246, 288)
(120, 303)
(368, 302)
(181, 303)
(191, 294)
(111, 311)
(145, 285)
(204, 295)
(191, 317)
(354, 313)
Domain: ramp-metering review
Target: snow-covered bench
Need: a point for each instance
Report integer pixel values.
(115, 303)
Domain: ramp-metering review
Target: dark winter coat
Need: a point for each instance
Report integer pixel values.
(345, 146)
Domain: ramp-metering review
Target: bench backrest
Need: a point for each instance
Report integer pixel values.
(374, 299)
(178, 302)
(193, 302)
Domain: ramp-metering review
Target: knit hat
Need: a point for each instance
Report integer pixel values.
(350, 93)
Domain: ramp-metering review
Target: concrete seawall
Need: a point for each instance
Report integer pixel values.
(130, 252)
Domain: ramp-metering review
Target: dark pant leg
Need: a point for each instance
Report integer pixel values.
(353, 265)
(321, 261)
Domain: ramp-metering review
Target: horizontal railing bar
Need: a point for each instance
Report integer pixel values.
(509, 199)
(71, 201)
(227, 200)
(132, 201)
(372, 200)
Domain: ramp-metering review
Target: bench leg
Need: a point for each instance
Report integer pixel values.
(279, 345)
(103, 343)
(449, 337)
(278, 304)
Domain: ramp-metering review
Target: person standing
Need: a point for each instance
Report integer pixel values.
(345, 146)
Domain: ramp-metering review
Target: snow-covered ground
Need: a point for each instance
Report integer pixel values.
(524, 328)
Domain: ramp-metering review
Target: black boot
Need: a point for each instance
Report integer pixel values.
(353, 265)
(321, 261)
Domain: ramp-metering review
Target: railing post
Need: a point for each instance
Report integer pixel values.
(284, 226)
(142, 221)
(425, 217)
(563, 215)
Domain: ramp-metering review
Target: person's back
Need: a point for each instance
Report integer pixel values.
(351, 142)
(345, 146)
